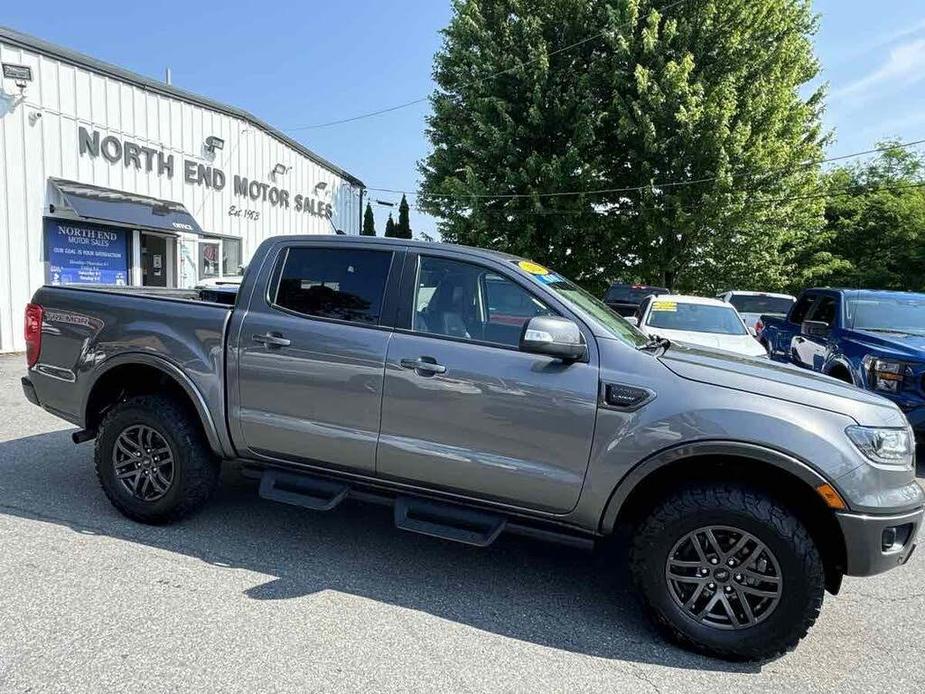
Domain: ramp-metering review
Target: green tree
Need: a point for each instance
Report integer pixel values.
(875, 225)
(390, 229)
(403, 229)
(699, 104)
(369, 222)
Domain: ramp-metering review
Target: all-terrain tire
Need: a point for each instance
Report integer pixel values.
(752, 511)
(196, 470)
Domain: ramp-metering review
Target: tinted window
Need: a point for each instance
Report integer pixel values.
(824, 311)
(888, 314)
(344, 284)
(470, 302)
(745, 303)
(802, 307)
(699, 318)
(632, 293)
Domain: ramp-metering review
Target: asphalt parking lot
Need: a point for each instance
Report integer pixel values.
(255, 596)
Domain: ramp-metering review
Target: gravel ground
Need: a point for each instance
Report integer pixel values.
(255, 596)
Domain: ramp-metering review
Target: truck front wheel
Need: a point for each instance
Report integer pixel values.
(152, 460)
(728, 571)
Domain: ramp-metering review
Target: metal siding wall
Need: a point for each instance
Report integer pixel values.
(34, 149)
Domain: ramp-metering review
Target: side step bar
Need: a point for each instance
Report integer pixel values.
(301, 490)
(418, 515)
(447, 521)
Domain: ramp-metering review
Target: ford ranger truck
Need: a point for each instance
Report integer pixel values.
(479, 394)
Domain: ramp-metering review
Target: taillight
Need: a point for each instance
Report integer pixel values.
(33, 331)
(759, 326)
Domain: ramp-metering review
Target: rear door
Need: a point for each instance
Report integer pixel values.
(311, 351)
(463, 409)
(811, 347)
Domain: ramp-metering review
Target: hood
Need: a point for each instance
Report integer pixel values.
(738, 344)
(902, 345)
(762, 376)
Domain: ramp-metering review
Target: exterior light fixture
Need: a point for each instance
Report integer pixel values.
(280, 169)
(213, 143)
(319, 187)
(20, 74)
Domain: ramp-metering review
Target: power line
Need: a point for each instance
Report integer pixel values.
(492, 76)
(857, 190)
(649, 186)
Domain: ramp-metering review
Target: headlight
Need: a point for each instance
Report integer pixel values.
(884, 375)
(884, 447)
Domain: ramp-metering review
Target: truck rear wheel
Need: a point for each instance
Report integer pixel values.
(152, 460)
(727, 571)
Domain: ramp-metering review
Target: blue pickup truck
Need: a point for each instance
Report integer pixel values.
(871, 338)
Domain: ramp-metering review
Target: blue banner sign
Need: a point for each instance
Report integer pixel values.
(79, 253)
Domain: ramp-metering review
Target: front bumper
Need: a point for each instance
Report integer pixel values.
(874, 543)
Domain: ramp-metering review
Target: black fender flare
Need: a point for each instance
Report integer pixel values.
(669, 456)
(169, 369)
(839, 361)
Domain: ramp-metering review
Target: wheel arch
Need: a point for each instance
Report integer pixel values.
(789, 480)
(134, 373)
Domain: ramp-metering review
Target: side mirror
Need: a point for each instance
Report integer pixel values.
(814, 328)
(632, 320)
(554, 337)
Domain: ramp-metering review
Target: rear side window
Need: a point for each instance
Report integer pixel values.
(824, 311)
(802, 308)
(344, 284)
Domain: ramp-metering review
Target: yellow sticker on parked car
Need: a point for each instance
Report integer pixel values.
(664, 305)
(532, 268)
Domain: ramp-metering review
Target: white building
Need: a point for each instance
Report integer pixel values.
(110, 177)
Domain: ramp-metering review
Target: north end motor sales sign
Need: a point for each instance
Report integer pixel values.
(143, 158)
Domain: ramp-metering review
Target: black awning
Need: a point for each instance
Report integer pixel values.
(107, 205)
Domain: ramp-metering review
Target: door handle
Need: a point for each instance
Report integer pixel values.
(271, 340)
(426, 364)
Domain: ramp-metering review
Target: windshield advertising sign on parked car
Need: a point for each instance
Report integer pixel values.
(79, 253)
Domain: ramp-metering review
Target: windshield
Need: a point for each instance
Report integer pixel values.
(698, 318)
(746, 303)
(576, 297)
(888, 314)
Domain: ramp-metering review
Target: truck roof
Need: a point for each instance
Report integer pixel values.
(406, 243)
(885, 293)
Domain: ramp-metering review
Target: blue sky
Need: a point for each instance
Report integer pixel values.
(298, 64)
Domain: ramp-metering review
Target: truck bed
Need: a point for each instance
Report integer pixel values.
(87, 331)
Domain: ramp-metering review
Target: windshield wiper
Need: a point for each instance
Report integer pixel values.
(655, 342)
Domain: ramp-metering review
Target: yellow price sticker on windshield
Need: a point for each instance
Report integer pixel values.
(665, 306)
(532, 268)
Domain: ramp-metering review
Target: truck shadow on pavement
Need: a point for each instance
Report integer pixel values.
(543, 594)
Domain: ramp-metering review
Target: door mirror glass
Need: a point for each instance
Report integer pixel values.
(814, 328)
(554, 337)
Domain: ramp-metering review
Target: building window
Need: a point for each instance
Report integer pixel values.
(209, 254)
(231, 257)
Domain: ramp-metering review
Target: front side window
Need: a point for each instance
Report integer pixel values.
(470, 302)
(342, 284)
(698, 318)
(824, 312)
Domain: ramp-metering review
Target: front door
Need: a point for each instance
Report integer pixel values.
(311, 357)
(465, 411)
(153, 260)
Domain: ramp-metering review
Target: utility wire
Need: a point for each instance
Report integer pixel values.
(492, 76)
(648, 186)
(857, 190)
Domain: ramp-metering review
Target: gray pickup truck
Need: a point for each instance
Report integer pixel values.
(479, 393)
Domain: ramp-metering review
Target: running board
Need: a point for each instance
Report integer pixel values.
(447, 521)
(314, 493)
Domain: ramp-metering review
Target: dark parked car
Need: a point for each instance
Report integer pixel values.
(625, 298)
(478, 393)
(870, 338)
